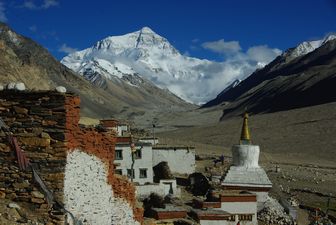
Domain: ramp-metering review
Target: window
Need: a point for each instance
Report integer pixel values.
(118, 171)
(129, 173)
(143, 173)
(138, 154)
(247, 217)
(118, 154)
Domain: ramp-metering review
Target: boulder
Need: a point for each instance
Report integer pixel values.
(61, 89)
(162, 172)
(10, 86)
(20, 86)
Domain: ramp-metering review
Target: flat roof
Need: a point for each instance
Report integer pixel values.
(137, 144)
(170, 208)
(148, 138)
(210, 211)
(164, 147)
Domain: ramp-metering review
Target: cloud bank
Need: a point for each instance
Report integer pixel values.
(46, 4)
(67, 49)
(3, 17)
(222, 46)
(216, 76)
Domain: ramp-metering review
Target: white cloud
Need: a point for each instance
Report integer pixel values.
(222, 46)
(67, 49)
(214, 77)
(262, 53)
(30, 4)
(3, 17)
(49, 3)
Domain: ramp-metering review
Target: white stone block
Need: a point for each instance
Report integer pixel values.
(61, 89)
(11, 86)
(20, 86)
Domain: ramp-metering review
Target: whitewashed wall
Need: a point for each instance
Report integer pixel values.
(245, 155)
(121, 129)
(144, 162)
(241, 208)
(88, 195)
(161, 189)
(225, 222)
(180, 160)
(150, 140)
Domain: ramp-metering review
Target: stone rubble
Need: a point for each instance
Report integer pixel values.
(273, 213)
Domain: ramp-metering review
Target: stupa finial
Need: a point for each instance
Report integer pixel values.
(245, 133)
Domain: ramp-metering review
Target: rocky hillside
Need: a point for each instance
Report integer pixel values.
(301, 76)
(22, 59)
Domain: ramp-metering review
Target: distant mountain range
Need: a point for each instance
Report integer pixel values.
(301, 76)
(22, 59)
(133, 76)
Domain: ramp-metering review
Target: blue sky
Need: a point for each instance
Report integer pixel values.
(65, 25)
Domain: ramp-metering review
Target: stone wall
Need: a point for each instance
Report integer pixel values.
(38, 121)
(46, 125)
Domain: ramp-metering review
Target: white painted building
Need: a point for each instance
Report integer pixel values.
(143, 166)
(229, 209)
(153, 141)
(165, 187)
(120, 128)
(180, 160)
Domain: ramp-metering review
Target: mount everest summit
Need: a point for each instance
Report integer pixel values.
(146, 55)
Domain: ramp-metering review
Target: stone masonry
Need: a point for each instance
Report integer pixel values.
(46, 126)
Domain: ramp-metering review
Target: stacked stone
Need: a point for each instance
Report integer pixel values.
(46, 126)
(37, 120)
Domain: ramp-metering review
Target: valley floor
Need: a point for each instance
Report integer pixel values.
(300, 141)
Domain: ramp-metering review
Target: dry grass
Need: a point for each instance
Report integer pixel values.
(300, 136)
(88, 121)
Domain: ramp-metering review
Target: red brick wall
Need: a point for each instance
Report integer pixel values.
(102, 145)
(170, 215)
(238, 198)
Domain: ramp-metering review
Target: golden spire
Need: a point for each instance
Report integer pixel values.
(245, 133)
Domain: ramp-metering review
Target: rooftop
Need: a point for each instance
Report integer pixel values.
(173, 147)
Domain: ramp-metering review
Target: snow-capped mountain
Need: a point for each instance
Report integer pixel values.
(302, 76)
(144, 53)
(307, 47)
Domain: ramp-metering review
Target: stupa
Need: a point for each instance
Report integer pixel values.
(245, 173)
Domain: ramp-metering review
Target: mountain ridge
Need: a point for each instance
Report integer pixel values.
(285, 83)
(24, 60)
